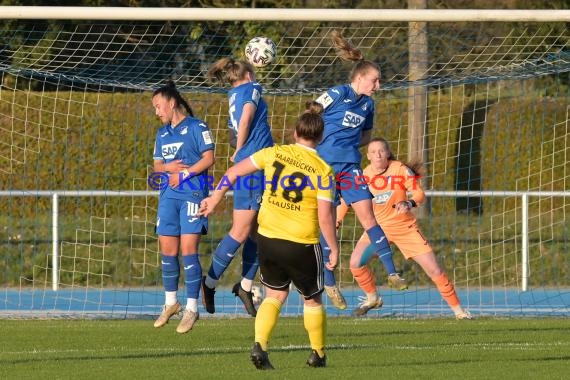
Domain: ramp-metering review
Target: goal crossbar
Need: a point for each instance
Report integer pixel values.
(283, 14)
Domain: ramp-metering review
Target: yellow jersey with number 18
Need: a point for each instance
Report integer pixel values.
(295, 179)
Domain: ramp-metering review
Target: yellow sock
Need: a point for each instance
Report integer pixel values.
(265, 321)
(315, 319)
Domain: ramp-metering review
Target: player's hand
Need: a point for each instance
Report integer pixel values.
(175, 166)
(174, 180)
(333, 260)
(207, 206)
(402, 207)
(338, 224)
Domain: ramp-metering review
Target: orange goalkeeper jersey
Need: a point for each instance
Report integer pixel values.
(397, 183)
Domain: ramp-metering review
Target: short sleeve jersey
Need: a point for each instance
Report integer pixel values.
(295, 179)
(390, 187)
(346, 116)
(186, 142)
(259, 130)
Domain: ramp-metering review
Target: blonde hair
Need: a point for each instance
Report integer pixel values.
(348, 52)
(229, 70)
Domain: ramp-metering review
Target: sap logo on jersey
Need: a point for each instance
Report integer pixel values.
(169, 150)
(352, 120)
(382, 197)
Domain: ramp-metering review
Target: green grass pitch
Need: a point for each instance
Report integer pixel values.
(218, 348)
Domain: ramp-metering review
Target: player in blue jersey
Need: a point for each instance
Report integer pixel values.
(183, 151)
(349, 116)
(248, 123)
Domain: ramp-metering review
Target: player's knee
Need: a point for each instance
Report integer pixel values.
(239, 233)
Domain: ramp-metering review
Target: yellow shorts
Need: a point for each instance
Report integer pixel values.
(407, 237)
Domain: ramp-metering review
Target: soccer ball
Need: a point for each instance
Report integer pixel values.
(257, 295)
(260, 51)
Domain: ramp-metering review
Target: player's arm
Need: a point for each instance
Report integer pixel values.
(245, 121)
(208, 158)
(172, 167)
(240, 169)
(365, 137)
(413, 187)
(341, 211)
(201, 165)
(232, 137)
(327, 226)
(158, 162)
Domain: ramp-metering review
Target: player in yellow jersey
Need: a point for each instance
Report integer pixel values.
(297, 203)
(396, 190)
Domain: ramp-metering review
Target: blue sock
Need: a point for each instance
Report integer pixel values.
(367, 255)
(192, 275)
(223, 256)
(329, 274)
(382, 248)
(250, 262)
(170, 273)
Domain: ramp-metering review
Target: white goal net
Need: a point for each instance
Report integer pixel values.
(77, 125)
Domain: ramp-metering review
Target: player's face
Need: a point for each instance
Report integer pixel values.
(367, 83)
(162, 108)
(378, 155)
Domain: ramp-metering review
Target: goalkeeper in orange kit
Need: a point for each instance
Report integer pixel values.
(390, 181)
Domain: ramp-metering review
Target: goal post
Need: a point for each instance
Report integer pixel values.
(78, 128)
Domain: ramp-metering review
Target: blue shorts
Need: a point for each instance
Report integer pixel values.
(350, 183)
(248, 191)
(176, 217)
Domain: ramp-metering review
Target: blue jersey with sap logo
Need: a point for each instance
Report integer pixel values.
(259, 130)
(187, 141)
(346, 116)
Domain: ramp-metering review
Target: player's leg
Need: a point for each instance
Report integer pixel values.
(192, 228)
(250, 202)
(227, 248)
(307, 275)
(363, 211)
(415, 246)
(431, 267)
(276, 282)
(168, 230)
(315, 322)
(225, 253)
(192, 279)
(265, 322)
(331, 287)
(359, 259)
(250, 264)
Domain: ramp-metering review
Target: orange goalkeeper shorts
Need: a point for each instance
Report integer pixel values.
(407, 237)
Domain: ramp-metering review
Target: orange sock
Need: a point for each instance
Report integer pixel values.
(446, 289)
(364, 279)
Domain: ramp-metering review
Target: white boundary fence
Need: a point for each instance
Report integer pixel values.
(56, 194)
